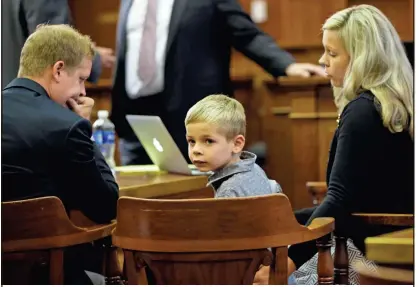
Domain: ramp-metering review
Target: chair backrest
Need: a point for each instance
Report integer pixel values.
(34, 224)
(206, 241)
(200, 225)
(34, 235)
(32, 230)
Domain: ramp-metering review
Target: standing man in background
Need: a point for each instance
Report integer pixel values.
(172, 53)
(20, 19)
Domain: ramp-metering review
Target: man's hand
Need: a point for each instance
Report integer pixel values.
(304, 70)
(83, 106)
(106, 56)
(262, 276)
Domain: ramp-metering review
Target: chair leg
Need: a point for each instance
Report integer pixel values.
(136, 274)
(341, 261)
(325, 261)
(278, 274)
(112, 265)
(56, 267)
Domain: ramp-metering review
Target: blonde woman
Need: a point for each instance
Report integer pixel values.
(371, 160)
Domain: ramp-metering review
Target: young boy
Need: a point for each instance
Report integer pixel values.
(215, 131)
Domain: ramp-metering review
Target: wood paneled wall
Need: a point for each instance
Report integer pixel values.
(298, 124)
(297, 23)
(97, 18)
(294, 24)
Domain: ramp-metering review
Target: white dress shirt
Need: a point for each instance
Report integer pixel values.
(135, 26)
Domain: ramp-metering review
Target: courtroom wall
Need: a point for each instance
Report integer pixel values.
(294, 24)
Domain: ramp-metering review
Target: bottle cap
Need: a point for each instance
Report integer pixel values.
(102, 114)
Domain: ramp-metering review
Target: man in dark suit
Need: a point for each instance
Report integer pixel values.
(19, 20)
(171, 54)
(46, 133)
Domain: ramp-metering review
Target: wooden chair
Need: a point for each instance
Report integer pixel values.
(214, 241)
(318, 191)
(35, 233)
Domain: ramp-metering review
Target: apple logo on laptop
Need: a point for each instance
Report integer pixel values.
(157, 145)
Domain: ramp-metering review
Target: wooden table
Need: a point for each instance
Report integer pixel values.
(393, 253)
(154, 185)
(163, 185)
(391, 248)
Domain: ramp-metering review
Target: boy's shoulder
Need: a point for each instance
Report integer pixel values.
(247, 183)
(240, 169)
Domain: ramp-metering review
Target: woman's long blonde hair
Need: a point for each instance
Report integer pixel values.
(378, 63)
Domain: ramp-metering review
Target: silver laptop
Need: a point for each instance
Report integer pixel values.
(160, 146)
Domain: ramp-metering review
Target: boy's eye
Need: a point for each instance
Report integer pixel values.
(191, 141)
(209, 141)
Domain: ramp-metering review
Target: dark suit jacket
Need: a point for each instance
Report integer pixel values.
(201, 35)
(19, 20)
(47, 151)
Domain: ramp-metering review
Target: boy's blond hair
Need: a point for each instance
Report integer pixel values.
(52, 43)
(225, 112)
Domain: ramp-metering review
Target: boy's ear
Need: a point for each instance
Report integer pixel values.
(239, 142)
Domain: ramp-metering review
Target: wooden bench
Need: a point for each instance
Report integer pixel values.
(36, 232)
(214, 241)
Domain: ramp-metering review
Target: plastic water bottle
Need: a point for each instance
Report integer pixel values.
(104, 136)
